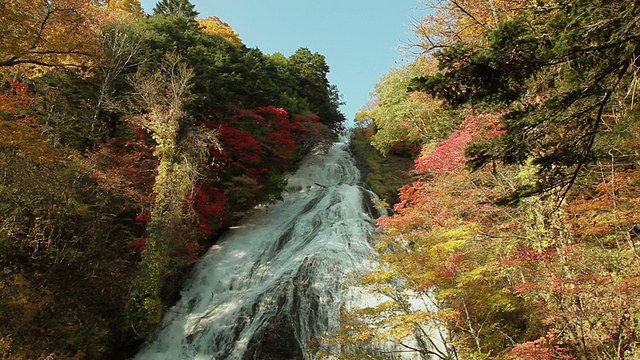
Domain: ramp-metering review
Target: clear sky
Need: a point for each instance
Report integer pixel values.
(361, 39)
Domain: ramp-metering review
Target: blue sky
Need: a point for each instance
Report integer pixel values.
(359, 38)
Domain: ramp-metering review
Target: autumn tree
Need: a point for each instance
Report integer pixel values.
(450, 21)
(441, 295)
(46, 33)
(56, 223)
(215, 26)
(132, 7)
(64, 100)
(548, 277)
(181, 149)
(122, 42)
(110, 188)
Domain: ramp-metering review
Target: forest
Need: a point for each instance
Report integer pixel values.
(516, 236)
(128, 143)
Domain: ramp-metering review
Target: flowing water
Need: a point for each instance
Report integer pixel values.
(271, 287)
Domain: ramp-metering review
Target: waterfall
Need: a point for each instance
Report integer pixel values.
(273, 284)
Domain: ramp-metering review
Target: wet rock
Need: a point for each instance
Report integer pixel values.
(277, 341)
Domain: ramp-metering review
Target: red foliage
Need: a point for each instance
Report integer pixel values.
(307, 129)
(16, 98)
(209, 202)
(449, 154)
(525, 252)
(240, 149)
(405, 148)
(126, 169)
(544, 348)
(255, 142)
(255, 145)
(192, 249)
(138, 244)
(143, 217)
(278, 138)
(307, 122)
(411, 194)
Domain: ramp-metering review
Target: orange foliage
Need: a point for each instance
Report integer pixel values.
(58, 33)
(608, 215)
(463, 20)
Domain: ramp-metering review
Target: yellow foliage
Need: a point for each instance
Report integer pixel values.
(27, 140)
(20, 302)
(132, 7)
(214, 26)
(463, 20)
(47, 34)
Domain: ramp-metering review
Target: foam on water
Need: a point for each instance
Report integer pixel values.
(288, 259)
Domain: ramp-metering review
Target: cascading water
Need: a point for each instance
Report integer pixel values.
(271, 287)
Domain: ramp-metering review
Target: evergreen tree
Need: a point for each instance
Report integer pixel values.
(183, 8)
(310, 75)
(555, 73)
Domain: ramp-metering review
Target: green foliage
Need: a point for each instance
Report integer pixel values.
(404, 116)
(384, 174)
(309, 71)
(497, 74)
(183, 8)
(66, 109)
(226, 73)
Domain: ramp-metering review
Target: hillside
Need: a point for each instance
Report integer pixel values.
(517, 238)
(128, 143)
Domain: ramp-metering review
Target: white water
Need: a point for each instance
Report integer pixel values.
(286, 261)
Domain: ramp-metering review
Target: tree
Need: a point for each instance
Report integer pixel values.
(214, 26)
(181, 150)
(439, 273)
(182, 8)
(258, 147)
(108, 188)
(217, 62)
(64, 91)
(547, 277)
(46, 33)
(405, 116)
(558, 78)
(450, 21)
(227, 73)
(310, 75)
(132, 7)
